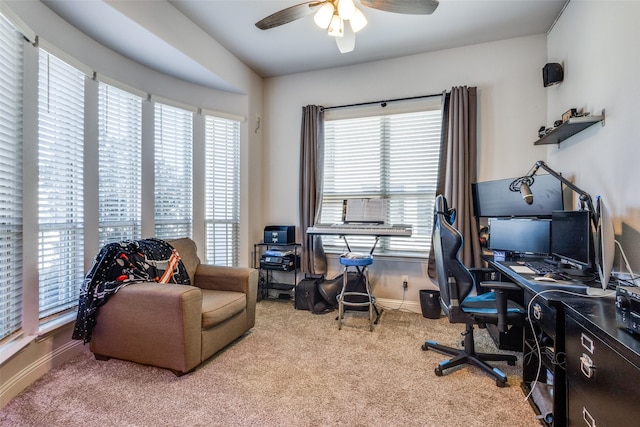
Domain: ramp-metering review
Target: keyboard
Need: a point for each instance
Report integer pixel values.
(540, 267)
(362, 229)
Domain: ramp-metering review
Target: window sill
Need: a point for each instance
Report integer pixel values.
(13, 347)
(49, 326)
(20, 342)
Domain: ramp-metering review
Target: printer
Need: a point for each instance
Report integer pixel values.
(275, 259)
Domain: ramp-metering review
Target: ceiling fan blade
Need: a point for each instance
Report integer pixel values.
(289, 14)
(409, 7)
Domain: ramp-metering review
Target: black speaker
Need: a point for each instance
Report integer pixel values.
(552, 74)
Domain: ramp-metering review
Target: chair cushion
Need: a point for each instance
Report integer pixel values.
(486, 303)
(218, 306)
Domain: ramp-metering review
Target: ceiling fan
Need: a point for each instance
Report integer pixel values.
(332, 14)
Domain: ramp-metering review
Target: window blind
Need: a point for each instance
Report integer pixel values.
(11, 83)
(119, 165)
(173, 172)
(60, 185)
(391, 156)
(222, 190)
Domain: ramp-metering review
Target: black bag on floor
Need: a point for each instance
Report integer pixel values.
(356, 283)
(329, 290)
(307, 295)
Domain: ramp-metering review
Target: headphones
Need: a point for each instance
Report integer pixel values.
(483, 236)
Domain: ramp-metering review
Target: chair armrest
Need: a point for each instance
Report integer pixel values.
(482, 274)
(223, 278)
(153, 324)
(482, 270)
(503, 286)
(500, 289)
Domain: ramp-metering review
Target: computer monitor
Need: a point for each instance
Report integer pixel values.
(494, 199)
(572, 238)
(520, 235)
(605, 243)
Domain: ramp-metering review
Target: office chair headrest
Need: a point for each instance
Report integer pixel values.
(443, 209)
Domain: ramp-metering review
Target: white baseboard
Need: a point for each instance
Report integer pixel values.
(394, 304)
(33, 370)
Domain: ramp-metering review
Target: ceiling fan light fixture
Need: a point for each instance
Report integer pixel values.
(323, 16)
(347, 43)
(336, 27)
(346, 9)
(358, 21)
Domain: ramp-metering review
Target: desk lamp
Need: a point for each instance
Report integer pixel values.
(523, 185)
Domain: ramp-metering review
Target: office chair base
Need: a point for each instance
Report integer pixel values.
(469, 356)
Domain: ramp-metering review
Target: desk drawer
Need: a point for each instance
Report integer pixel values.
(602, 384)
(543, 315)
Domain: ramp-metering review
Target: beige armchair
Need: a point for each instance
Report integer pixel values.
(176, 326)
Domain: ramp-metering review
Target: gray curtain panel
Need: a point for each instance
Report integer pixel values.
(461, 168)
(314, 260)
(458, 168)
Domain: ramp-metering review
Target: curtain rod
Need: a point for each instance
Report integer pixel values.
(382, 103)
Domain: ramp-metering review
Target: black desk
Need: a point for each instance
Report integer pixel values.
(580, 367)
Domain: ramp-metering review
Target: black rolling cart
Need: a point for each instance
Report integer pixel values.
(278, 265)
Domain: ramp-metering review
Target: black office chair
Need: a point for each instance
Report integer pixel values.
(456, 283)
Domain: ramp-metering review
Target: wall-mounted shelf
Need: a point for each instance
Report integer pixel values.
(569, 128)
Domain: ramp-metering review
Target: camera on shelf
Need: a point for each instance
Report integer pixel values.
(568, 114)
(543, 131)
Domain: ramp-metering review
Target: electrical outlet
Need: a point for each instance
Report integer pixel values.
(405, 281)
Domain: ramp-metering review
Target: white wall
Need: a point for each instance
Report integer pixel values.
(597, 43)
(512, 106)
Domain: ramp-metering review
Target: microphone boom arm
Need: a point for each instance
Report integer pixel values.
(585, 198)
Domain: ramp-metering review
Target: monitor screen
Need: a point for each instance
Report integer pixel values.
(520, 235)
(494, 199)
(571, 237)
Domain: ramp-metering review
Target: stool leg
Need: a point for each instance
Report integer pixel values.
(366, 281)
(341, 298)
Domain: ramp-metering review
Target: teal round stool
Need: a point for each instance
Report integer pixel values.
(346, 299)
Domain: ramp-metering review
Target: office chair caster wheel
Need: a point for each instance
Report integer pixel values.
(501, 384)
(438, 372)
(424, 347)
(511, 362)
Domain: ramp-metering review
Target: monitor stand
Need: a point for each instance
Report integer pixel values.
(572, 271)
(599, 292)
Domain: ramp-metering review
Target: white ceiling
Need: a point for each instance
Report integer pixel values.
(301, 46)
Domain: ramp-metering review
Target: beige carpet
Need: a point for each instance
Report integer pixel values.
(293, 369)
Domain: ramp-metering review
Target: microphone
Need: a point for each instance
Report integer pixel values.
(527, 196)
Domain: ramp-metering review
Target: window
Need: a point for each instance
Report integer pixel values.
(173, 164)
(11, 83)
(222, 190)
(384, 154)
(60, 185)
(120, 164)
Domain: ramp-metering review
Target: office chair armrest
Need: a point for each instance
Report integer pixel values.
(502, 286)
(500, 289)
(482, 274)
(482, 270)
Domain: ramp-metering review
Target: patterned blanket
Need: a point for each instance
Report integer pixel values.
(118, 265)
